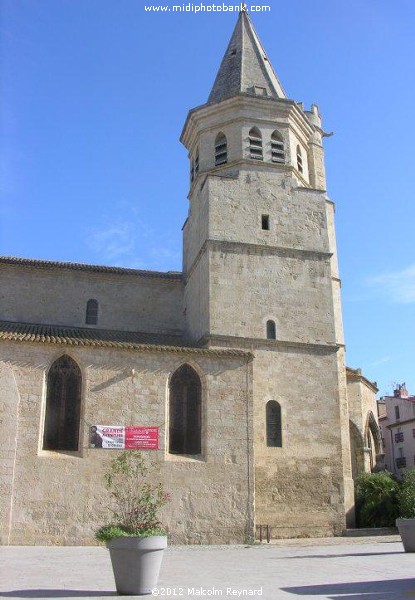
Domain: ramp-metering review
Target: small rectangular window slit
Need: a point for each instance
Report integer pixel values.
(265, 222)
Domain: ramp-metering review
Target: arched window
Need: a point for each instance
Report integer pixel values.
(299, 159)
(221, 149)
(271, 331)
(91, 312)
(255, 144)
(274, 429)
(185, 412)
(63, 405)
(277, 147)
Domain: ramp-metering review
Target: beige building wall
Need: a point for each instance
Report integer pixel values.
(127, 301)
(397, 424)
(299, 487)
(59, 498)
(366, 447)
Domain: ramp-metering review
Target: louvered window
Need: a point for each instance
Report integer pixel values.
(255, 144)
(221, 150)
(277, 148)
(299, 160)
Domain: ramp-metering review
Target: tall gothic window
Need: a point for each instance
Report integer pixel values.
(221, 149)
(274, 428)
(63, 405)
(91, 312)
(185, 412)
(271, 331)
(277, 147)
(255, 144)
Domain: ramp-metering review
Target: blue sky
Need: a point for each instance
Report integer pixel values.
(94, 97)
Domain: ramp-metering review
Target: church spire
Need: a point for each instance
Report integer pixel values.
(245, 68)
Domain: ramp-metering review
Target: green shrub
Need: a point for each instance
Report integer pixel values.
(135, 501)
(376, 500)
(406, 495)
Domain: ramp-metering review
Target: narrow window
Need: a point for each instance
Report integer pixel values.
(185, 412)
(299, 160)
(192, 171)
(255, 144)
(221, 149)
(277, 148)
(91, 312)
(271, 332)
(197, 163)
(63, 405)
(273, 420)
(397, 416)
(265, 222)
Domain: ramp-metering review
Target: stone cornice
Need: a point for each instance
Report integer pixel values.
(287, 109)
(68, 266)
(356, 375)
(258, 343)
(234, 247)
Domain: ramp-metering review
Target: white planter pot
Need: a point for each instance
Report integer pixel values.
(136, 563)
(406, 528)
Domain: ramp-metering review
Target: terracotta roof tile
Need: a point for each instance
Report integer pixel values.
(107, 338)
(49, 264)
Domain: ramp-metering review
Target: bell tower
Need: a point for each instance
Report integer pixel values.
(260, 267)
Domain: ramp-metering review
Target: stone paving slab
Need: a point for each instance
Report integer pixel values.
(334, 569)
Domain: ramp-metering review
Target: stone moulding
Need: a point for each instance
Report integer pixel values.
(49, 264)
(46, 334)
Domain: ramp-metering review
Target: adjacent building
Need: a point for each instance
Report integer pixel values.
(397, 426)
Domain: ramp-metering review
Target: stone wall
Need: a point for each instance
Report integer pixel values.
(58, 497)
(59, 296)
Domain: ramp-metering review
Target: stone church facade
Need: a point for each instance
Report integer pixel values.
(238, 360)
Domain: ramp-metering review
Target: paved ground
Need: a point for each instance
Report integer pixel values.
(337, 569)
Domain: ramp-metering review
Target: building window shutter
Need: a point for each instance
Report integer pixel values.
(221, 149)
(277, 148)
(255, 144)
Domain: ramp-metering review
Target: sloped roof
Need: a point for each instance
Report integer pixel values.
(244, 66)
(107, 338)
(49, 264)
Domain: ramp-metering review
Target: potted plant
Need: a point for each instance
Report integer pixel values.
(135, 537)
(406, 503)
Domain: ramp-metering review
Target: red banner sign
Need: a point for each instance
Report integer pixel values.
(142, 438)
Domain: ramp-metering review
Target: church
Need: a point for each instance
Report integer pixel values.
(236, 365)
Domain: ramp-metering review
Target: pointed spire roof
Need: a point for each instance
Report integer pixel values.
(245, 66)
